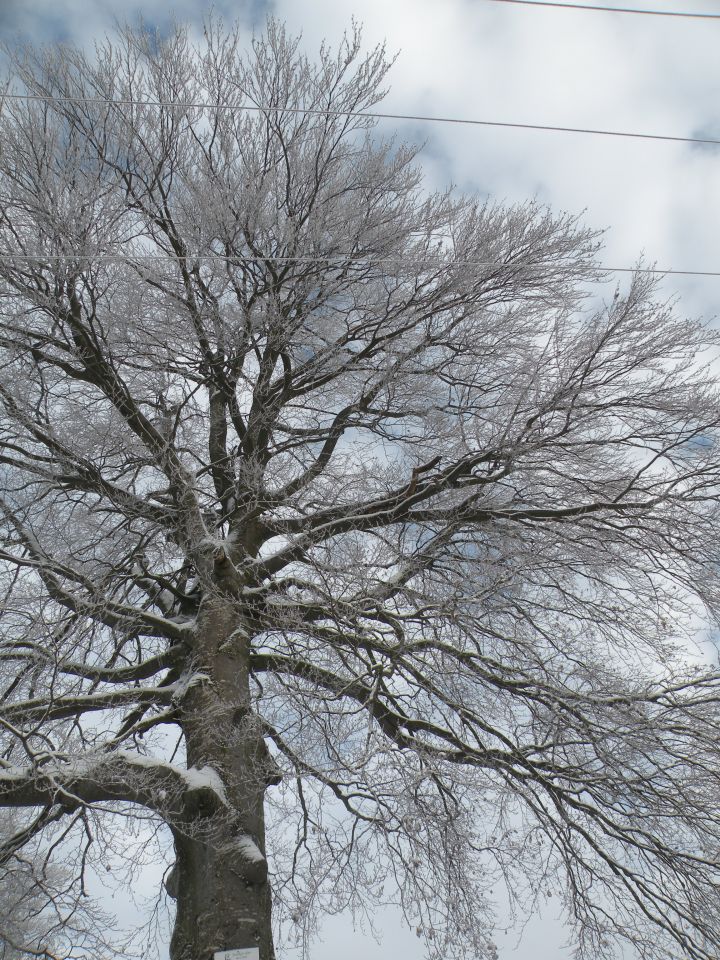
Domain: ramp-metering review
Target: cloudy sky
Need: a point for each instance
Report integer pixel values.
(498, 61)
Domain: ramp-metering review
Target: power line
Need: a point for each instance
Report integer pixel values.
(343, 259)
(598, 8)
(364, 114)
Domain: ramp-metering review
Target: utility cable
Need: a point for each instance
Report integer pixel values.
(341, 260)
(598, 8)
(362, 114)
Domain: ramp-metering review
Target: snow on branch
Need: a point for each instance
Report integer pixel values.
(119, 777)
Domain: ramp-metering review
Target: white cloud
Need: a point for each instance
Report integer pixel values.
(472, 58)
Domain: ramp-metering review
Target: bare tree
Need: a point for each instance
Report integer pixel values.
(317, 482)
(41, 908)
(22, 932)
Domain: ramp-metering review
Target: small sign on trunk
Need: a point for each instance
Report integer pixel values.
(244, 953)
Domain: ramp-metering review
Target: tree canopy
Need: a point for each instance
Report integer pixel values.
(341, 511)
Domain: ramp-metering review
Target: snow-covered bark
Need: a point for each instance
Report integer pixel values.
(346, 508)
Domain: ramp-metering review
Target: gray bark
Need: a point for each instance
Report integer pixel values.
(223, 893)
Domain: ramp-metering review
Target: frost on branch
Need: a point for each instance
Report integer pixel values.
(348, 533)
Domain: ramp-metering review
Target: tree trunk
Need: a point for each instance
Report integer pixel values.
(220, 877)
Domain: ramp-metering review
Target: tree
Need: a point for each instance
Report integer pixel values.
(20, 934)
(337, 502)
(38, 902)
(21, 904)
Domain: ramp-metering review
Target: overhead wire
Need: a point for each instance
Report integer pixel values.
(341, 260)
(598, 8)
(361, 114)
(375, 115)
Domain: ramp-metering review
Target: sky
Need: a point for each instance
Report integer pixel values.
(489, 60)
